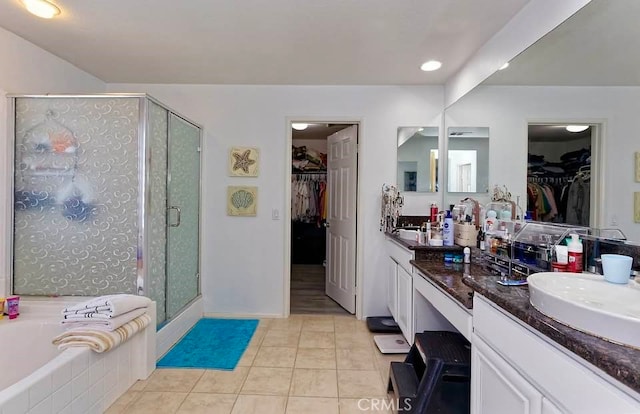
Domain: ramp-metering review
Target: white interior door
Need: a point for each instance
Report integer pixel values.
(341, 218)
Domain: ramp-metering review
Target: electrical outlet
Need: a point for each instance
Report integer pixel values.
(636, 207)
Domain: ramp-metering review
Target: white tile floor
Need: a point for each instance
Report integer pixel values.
(303, 364)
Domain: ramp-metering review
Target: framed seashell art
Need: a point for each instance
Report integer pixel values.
(243, 162)
(242, 201)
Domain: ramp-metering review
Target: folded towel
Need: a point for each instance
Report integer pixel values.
(100, 324)
(109, 305)
(101, 341)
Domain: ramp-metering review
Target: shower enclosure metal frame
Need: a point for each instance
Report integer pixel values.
(144, 186)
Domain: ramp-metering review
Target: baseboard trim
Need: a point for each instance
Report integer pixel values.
(243, 315)
(171, 333)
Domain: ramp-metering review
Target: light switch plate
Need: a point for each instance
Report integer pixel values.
(636, 207)
(638, 167)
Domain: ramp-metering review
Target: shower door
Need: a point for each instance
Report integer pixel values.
(183, 207)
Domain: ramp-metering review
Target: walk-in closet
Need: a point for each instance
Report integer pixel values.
(309, 209)
(559, 173)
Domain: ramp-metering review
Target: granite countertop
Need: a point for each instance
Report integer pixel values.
(449, 277)
(412, 245)
(620, 362)
(460, 281)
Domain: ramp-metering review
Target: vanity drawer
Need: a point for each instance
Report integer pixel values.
(400, 255)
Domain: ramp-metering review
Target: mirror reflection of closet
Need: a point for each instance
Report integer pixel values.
(559, 187)
(418, 159)
(468, 160)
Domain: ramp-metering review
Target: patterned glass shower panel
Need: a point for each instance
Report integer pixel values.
(75, 196)
(158, 132)
(184, 195)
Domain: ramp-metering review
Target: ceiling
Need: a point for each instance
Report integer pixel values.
(317, 131)
(354, 42)
(552, 133)
(597, 46)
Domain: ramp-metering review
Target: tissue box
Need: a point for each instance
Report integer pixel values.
(465, 234)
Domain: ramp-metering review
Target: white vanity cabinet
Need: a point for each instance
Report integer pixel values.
(518, 368)
(549, 408)
(496, 387)
(392, 287)
(405, 303)
(400, 287)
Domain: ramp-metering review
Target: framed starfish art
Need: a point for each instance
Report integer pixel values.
(243, 162)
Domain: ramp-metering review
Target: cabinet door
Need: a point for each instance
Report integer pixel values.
(496, 388)
(549, 408)
(405, 303)
(392, 287)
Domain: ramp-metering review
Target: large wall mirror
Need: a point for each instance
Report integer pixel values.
(468, 160)
(582, 72)
(418, 159)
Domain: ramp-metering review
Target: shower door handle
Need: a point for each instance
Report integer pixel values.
(179, 214)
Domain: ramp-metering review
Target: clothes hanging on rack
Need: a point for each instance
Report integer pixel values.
(579, 198)
(308, 197)
(560, 199)
(551, 193)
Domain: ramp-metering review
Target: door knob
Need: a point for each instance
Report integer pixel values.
(326, 224)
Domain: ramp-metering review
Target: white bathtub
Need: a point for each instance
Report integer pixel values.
(36, 378)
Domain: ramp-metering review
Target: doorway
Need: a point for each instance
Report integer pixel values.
(322, 232)
(561, 161)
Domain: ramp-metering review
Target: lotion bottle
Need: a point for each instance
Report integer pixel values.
(575, 254)
(447, 231)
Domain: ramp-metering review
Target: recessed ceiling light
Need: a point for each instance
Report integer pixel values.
(41, 8)
(299, 126)
(577, 128)
(506, 65)
(431, 65)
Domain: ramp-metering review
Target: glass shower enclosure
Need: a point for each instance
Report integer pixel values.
(106, 199)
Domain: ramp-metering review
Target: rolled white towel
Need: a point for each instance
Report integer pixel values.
(109, 306)
(102, 324)
(101, 341)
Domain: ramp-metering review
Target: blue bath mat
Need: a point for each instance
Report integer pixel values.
(211, 344)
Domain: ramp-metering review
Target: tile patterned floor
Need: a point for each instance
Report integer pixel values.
(305, 364)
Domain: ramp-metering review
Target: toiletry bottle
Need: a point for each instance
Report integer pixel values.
(447, 230)
(575, 254)
(433, 212)
(428, 233)
(490, 221)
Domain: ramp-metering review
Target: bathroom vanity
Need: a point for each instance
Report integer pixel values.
(522, 361)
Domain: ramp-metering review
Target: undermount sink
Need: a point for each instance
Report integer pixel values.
(590, 304)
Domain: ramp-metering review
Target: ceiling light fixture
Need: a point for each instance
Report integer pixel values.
(431, 65)
(577, 128)
(41, 8)
(506, 65)
(299, 126)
